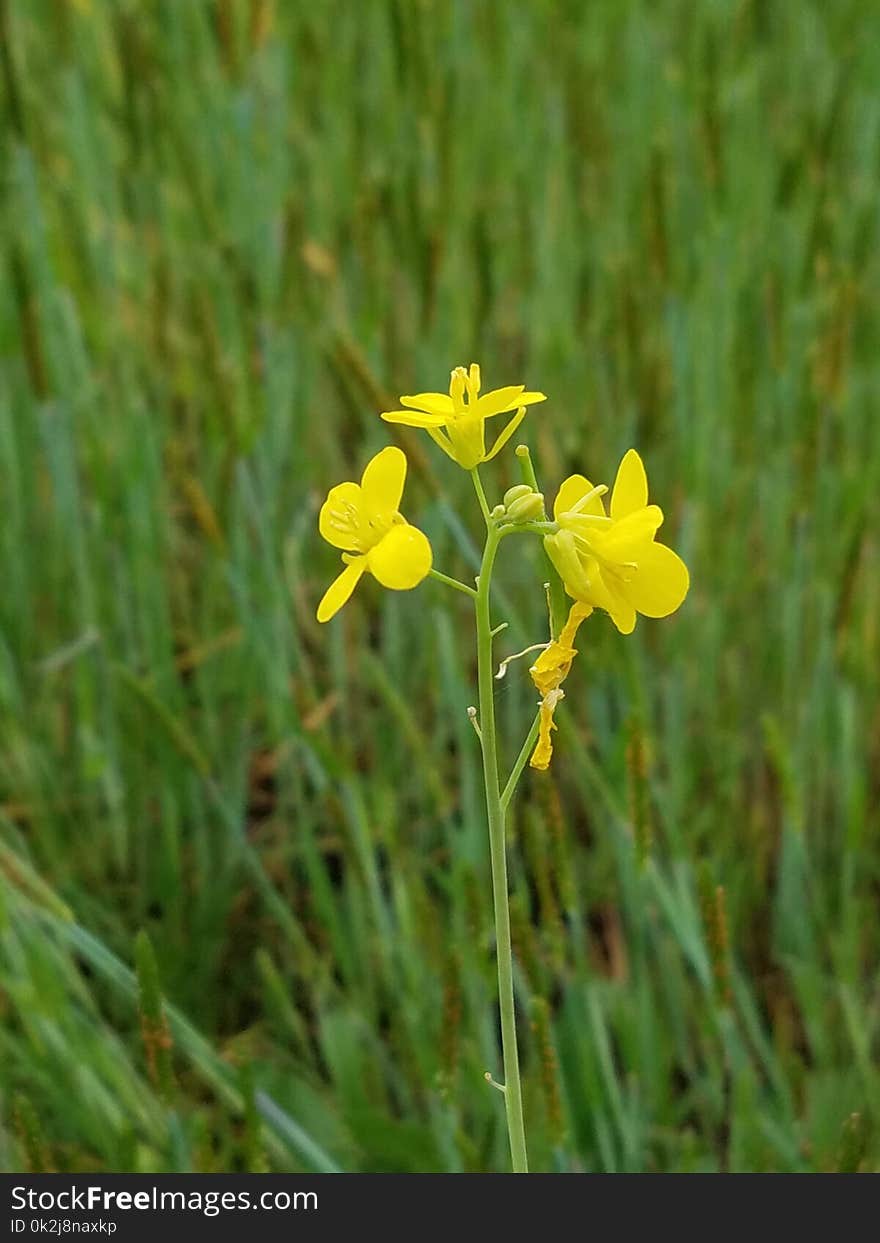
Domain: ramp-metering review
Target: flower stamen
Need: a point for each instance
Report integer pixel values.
(502, 668)
(599, 490)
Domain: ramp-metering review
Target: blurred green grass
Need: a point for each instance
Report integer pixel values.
(232, 232)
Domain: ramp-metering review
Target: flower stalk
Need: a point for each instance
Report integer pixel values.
(498, 851)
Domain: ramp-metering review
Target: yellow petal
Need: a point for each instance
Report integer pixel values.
(570, 492)
(601, 590)
(340, 589)
(341, 520)
(434, 403)
(530, 399)
(552, 667)
(576, 614)
(627, 539)
(562, 550)
(630, 487)
(441, 440)
(543, 751)
(467, 435)
(402, 558)
(499, 400)
(607, 595)
(623, 616)
(382, 481)
(507, 433)
(660, 583)
(413, 418)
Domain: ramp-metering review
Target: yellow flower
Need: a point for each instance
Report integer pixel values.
(457, 422)
(548, 673)
(611, 561)
(363, 519)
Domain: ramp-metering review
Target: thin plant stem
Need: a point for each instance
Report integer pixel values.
(497, 847)
(452, 582)
(557, 600)
(481, 495)
(515, 773)
(539, 527)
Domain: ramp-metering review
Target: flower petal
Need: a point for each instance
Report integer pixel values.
(402, 558)
(499, 400)
(467, 435)
(382, 481)
(552, 667)
(576, 614)
(413, 418)
(530, 399)
(630, 487)
(434, 403)
(562, 550)
(341, 518)
(570, 492)
(626, 540)
(340, 589)
(441, 440)
(660, 583)
(607, 595)
(543, 752)
(506, 434)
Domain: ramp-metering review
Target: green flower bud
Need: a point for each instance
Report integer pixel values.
(514, 493)
(527, 507)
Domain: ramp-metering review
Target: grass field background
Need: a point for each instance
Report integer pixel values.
(231, 234)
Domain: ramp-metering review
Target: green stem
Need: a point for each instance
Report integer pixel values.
(539, 527)
(557, 601)
(497, 846)
(452, 582)
(516, 771)
(481, 495)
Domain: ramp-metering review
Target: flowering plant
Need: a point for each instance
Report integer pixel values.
(598, 558)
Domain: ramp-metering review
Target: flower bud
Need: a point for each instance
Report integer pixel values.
(523, 504)
(514, 493)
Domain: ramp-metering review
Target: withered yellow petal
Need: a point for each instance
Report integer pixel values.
(543, 751)
(576, 614)
(552, 667)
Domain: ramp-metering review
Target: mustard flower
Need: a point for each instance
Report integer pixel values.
(611, 561)
(548, 673)
(363, 520)
(457, 421)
